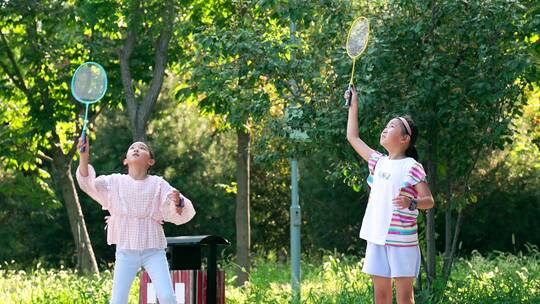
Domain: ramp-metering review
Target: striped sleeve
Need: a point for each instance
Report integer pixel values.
(403, 231)
(416, 175)
(372, 162)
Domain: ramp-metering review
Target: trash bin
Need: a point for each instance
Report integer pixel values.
(192, 284)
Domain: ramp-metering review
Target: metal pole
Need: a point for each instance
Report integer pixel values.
(211, 274)
(295, 233)
(295, 214)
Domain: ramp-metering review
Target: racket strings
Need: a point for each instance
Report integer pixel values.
(356, 44)
(358, 36)
(89, 83)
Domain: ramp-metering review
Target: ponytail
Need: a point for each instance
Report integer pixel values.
(411, 152)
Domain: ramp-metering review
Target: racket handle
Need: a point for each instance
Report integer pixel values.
(83, 139)
(348, 100)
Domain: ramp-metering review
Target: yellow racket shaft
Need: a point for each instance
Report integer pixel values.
(352, 73)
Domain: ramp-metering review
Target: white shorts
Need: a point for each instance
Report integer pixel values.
(391, 261)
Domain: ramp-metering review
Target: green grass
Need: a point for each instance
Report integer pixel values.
(56, 286)
(499, 278)
(334, 278)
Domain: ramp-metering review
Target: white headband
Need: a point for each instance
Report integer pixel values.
(406, 124)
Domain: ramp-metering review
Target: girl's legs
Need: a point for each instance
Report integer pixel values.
(383, 289)
(405, 265)
(125, 268)
(376, 265)
(385, 262)
(404, 290)
(155, 263)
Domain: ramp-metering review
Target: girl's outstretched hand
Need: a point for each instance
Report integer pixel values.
(352, 92)
(83, 156)
(86, 146)
(178, 201)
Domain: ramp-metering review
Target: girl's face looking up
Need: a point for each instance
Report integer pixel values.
(393, 137)
(139, 154)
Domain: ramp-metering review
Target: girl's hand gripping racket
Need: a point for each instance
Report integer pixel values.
(88, 85)
(356, 44)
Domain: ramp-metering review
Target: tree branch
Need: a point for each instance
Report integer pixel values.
(124, 55)
(160, 62)
(44, 157)
(448, 268)
(20, 81)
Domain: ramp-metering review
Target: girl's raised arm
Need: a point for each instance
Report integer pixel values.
(352, 128)
(83, 160)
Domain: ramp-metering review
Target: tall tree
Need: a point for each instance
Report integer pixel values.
(237, 47)
(145, 20)
(41, 44)
(139, 34)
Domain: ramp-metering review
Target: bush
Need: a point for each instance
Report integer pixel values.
(331, 278)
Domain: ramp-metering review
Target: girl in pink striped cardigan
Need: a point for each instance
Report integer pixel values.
(138, 204)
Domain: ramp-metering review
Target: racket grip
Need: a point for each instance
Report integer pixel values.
(83, 139)
(348, 100)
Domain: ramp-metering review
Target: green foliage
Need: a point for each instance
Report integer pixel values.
(501, 278)
(509, 182)
(332, 278)
(329, 279)
(307, 94)
(44, 286)
(34, 225)
(41, 47)
(459, 67)
(236, 53)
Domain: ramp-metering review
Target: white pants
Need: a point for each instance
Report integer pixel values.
(128, 263)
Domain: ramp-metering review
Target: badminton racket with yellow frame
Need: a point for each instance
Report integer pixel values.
(356, 44)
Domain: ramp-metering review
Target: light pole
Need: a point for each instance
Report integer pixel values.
(295, 214)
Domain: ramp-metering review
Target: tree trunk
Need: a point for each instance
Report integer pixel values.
(432, 169)
(243, 230)
(448, 235)
(447, 229)
(140, 107)
(430, 240)
(431, 253)
(86, 261)
(448, 266)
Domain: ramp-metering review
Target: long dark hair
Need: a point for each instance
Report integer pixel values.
(411, 149)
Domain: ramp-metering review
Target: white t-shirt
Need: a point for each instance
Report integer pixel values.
(388, 178)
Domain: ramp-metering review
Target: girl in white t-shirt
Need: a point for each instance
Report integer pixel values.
(398, 189)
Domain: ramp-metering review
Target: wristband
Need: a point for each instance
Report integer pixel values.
(413, 205)
(181, 204)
